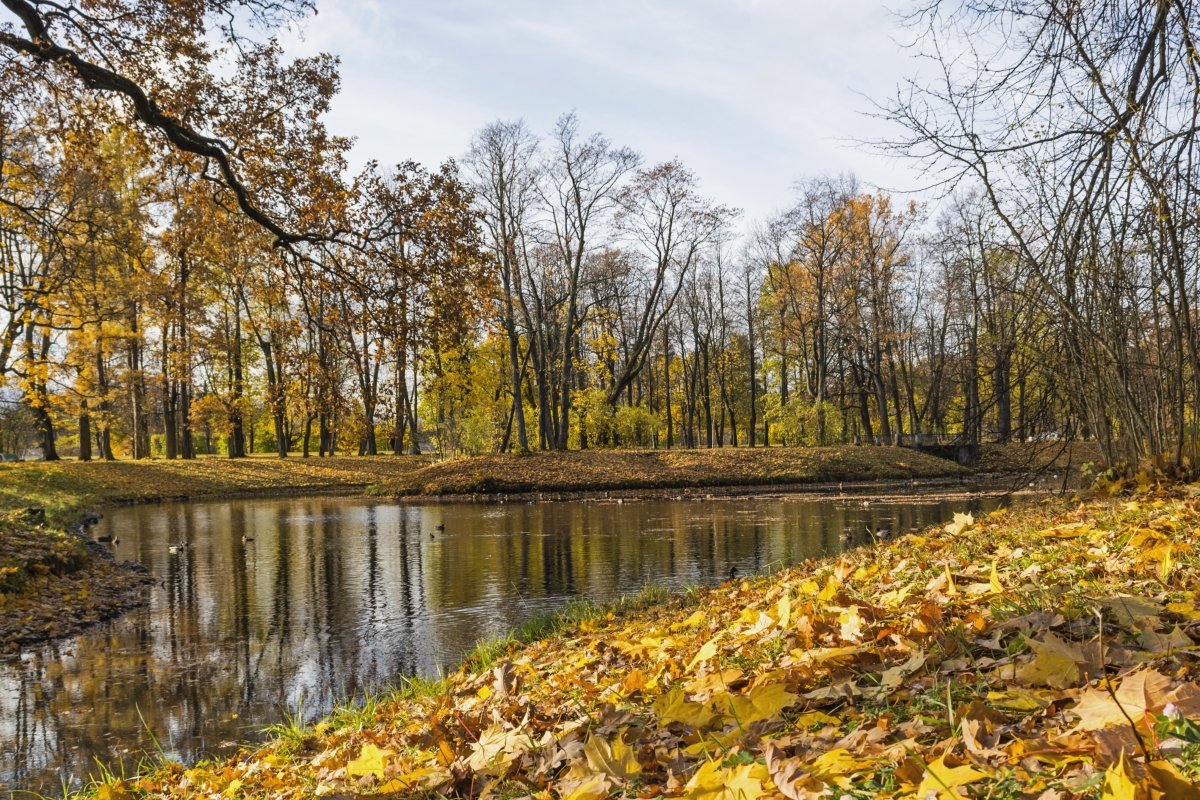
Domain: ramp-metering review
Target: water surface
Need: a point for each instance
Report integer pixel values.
(327, 598)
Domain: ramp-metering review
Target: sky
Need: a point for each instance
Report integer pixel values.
(752, 95)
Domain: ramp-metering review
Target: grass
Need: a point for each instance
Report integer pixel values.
(868, 674)
(64, 488)
(488, 651)
(595, 471)
(1021, 457)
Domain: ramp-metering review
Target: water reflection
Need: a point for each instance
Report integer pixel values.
(262, 606)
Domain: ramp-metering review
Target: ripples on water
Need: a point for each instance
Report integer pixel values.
(329, 598)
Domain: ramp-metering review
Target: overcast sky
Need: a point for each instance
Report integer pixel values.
(751, 94)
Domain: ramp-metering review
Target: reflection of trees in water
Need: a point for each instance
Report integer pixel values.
(334, 597)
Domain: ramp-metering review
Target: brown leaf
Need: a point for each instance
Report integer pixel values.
(1139, 694)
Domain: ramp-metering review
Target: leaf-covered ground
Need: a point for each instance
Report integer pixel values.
(1049, 652)
(1016, 457)
(52, 584)
(608, 470)
(64, 488)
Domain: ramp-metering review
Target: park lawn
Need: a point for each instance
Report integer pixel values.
(65, 488)
(613, 470)
(1048, 651)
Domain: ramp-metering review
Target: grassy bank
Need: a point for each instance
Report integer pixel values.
(611, 470)
(52, 595)
(1047, 652)
(64, 488)
(1020, 457)
(53, 584)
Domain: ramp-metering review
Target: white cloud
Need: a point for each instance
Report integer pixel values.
(752, 95)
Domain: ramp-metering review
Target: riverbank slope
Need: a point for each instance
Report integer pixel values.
(66, 488)
(49, 597)
(54, 583)
(1048, 651)
(599, 471)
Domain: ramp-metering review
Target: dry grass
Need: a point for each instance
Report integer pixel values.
(63, 488)
(607, 470)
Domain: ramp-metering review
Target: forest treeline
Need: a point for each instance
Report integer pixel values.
(188, 265)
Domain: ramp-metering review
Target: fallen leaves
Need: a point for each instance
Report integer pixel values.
(1133, 702)
(942, 781)
(1039, 649)
(371, 761)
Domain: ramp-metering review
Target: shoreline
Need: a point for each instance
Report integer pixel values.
(66, 489)
(825, 673)
(990, 485)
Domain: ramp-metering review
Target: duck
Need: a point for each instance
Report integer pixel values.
(91, 518)
(246, 538)
(108, 540)
(173, 549)
(732, 572)
(441, 526)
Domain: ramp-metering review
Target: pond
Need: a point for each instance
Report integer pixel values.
(265, 607)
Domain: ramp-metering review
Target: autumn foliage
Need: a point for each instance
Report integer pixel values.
(1040, 652)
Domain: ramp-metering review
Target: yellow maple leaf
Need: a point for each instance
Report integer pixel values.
(1118, 783)
(951, 589)
(697, 619)
(496, 748)
(943, 780)
(994, 579)
(427, 777)
(117, 790)
(707, 651)
(850, 624)
(783, 610)
(810, 718)
(759, 703)
(371, 761)
(634, 681)
(596, 787)
(745, 782)
(1055, 663)
(961, 523)
(1138, 695)
(675, 707)
(835, 765)
(714, 782)
(615, 759)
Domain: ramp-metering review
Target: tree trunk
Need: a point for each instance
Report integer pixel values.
(85, 432)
